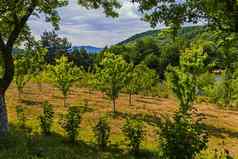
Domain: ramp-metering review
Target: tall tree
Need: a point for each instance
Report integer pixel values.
(82, 58)
(55, 45)
(13, 29)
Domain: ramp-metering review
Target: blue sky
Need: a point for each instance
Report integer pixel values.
(91, 27)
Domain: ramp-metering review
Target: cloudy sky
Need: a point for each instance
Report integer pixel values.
(91, 27)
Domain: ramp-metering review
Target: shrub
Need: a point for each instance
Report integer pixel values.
(46, 119)
(21, 118)
(70, 123)
(180, 138)
(133, 130)
(102, 132)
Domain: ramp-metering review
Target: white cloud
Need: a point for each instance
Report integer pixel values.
(92, 27)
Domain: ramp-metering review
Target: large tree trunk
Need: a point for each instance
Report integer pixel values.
(3, 116)
(4, 84)
(6, 54)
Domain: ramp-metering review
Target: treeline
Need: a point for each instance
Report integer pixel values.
(158, 52)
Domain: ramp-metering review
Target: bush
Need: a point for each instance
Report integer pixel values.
(21, 118)
(70, 123)
(180, 138)
(46, 120)
(102, 132)
(133, 130)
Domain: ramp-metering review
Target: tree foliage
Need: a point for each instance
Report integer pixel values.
(63, 74)
(111, 75)
(56, 45)
(28, 64)
(218, 14)
(140, 78)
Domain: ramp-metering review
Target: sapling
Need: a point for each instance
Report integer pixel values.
(111, 76)
(133, 130)
(63, 74)
(102, 132)
(46, 119)
(70, 123)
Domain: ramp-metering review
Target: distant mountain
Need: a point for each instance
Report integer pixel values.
(89, 49)
(187, 32)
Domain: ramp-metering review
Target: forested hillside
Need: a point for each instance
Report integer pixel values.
(188, 32)
(158, 48)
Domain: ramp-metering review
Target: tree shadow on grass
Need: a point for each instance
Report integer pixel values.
(150, 119)
(28, 102)
(145, 101)
(84, 108)
(221, 132)
(22, 144)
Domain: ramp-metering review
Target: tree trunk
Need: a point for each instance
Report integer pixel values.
(4, 84)
(65, 98)
(130, 99)
(113, 106)
(3, 116)
(6, 53)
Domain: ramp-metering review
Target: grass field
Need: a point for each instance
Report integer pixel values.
(222, 124)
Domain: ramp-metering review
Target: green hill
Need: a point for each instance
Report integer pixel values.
(189, 32)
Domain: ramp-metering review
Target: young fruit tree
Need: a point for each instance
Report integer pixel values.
(27, 65)
(38, 63)
(14, 29)
(140, 78)
(184, 136)
(22, 73)
(63, 74)
(111, 75)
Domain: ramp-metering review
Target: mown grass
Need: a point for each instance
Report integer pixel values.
(222, 125)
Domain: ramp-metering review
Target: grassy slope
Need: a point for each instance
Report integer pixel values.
(222, 124)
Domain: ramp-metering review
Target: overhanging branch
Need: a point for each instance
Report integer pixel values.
(15, 33)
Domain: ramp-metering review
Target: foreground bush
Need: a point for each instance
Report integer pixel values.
(70, 123)
(180, 138)
(133, 130)
(21, 117)
(46, 119)
(102, 132)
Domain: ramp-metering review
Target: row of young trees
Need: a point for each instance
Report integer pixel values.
(180, 137)
(70, 122)
(112, 76)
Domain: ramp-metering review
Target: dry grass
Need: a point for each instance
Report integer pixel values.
(222, 124)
